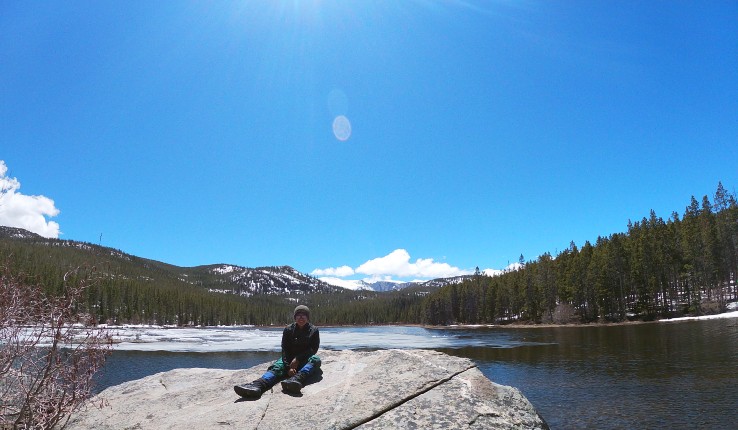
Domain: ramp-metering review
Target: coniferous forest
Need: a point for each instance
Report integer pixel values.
(657, 269)
(686, 264)
(125, 289)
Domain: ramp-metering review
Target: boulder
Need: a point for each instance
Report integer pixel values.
(388, 389)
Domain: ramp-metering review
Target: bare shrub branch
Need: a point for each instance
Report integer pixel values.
(49, 351)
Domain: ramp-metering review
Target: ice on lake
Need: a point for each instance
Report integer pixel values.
(222, 339)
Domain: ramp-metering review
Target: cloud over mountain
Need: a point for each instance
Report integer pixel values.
(396, 264)
(22, 211)
(334, 271)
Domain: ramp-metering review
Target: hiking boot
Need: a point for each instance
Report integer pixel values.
(253, 389)
(293, 384)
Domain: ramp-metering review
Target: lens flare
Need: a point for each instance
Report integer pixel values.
(342, 128)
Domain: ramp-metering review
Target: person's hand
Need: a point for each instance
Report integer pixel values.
(293, 367)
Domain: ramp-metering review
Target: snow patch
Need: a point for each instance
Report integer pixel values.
(224, 269)
(349, 284)
(733, 314)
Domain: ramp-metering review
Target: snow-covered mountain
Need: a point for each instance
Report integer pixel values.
(349, 284)
(393, 285)
(265, 280)
(357, 284)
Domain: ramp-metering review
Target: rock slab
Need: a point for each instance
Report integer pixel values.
(388, 389)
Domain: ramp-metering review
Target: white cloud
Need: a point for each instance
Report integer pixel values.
(350, 284)
(397, 263)
(342, 271)
(493, 272)
(28, 212)
(497, 272)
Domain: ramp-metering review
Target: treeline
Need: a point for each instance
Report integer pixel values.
(125, 289)
(684, 265)
(367, 307)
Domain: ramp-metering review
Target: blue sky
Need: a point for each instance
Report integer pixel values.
(469, 132)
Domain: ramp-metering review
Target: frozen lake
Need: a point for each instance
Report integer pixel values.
(229, 339)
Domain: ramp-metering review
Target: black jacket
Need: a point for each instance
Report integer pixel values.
(299, 343)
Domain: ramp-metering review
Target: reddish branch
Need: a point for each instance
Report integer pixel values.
(49, 352)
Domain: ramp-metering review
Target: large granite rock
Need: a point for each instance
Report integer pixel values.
(389, 389)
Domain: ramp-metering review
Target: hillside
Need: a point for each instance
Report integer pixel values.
(218, 278)
(131, 289)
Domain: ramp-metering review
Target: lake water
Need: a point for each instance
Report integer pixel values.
(675, 375)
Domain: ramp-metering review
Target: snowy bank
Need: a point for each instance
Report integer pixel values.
(733, 314)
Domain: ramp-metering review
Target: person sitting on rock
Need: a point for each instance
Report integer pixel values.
(300, 342)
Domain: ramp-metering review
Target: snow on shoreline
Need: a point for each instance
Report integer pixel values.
(733, 314)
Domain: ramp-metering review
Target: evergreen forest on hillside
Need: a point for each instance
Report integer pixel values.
(658, 268)
(130, 290)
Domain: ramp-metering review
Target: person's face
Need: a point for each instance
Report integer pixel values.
(301, 318)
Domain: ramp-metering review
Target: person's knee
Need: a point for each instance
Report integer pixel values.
(315, 361)
(279, 368)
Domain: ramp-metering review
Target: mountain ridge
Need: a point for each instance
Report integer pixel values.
(224, 278)
(126, 289)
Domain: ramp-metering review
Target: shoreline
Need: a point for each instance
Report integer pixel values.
(724, 315)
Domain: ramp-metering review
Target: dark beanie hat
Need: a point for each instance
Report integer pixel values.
(301, 308)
